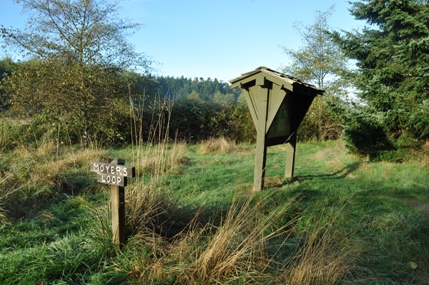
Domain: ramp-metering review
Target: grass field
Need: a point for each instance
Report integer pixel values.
(192, 217)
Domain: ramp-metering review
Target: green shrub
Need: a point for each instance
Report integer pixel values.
(366, 135)
(9, 135)
(241, 127)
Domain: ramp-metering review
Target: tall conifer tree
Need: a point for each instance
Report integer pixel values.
(392, 56)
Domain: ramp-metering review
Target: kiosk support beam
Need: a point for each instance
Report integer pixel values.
(290, 158)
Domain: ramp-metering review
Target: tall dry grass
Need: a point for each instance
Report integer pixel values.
(157, 155)
(235, 249)
(149, 208)
(238, 249)
(323, 256)
(154, 160)
(176, 244)
(317, 261)
(221, 145)
(36, 174)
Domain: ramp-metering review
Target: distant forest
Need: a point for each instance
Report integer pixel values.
(203, 89)
(142, 107)
(191, 109)
(122, 106)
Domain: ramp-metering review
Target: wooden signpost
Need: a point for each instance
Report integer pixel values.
(115, 174)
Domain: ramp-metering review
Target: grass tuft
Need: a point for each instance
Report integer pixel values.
(233, 249)
(322, 258)
(158, 159)
(237, 248)
(221, 145)
(33, 177)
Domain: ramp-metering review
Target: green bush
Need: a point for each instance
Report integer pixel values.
(365, 134)
(8, 135)
(30, 132)
(195, 120)
(192, 119)
(240, 126)
(320, 123)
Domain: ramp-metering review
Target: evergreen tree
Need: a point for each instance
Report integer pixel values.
(392, 56)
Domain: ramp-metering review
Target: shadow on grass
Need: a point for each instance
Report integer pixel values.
(170, 222)
(339, 174)
(27, 201)
(390, 225)
(279, 183)
(161, 215)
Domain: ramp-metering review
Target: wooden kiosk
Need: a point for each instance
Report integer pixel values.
(278, 104)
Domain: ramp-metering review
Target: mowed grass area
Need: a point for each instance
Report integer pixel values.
(192, 217)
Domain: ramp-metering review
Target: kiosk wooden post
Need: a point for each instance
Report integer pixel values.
(290, 158)
(261, 140)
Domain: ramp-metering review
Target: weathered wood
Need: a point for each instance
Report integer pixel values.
(276, 99)
(290, 158)
(113, 169)
(260, 162)
(112, 179)
(262, 100)
(118, 212)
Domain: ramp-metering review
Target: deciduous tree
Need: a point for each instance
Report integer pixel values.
(84, 31)
(321, 62)
(5, 70)
(78, 49)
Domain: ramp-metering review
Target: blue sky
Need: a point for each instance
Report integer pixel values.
(214, 38)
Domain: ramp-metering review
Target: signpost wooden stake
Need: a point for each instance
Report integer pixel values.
(115, 174)
(118, 211)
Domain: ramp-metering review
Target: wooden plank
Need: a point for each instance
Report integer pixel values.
(261, 98)
(276, 98)
(112, 179)
(118, 211)
(290, 159)
(246, 79)
(113, 169)
(118, 214)
(252, 105)
(260, 162)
